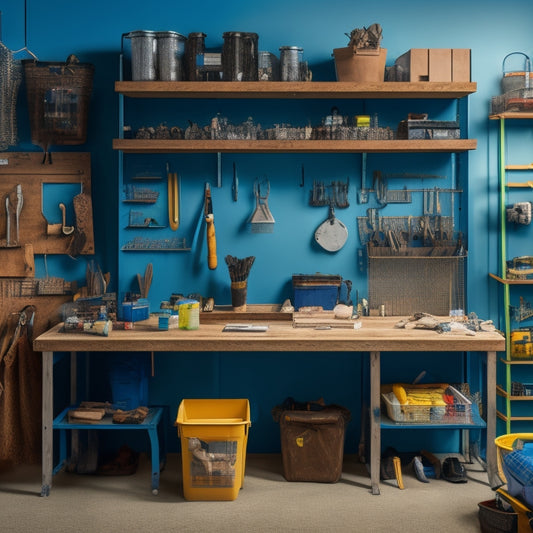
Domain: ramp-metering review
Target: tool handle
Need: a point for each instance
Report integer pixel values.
(211, 242)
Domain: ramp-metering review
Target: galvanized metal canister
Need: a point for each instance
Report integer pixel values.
(239, 56)
(195, 45)
(170, 51)
(143, 55)
(290, 60)
(268, 67)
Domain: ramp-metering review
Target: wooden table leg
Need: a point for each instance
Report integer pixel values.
(375, 420)
(47, 422)
(492, 466)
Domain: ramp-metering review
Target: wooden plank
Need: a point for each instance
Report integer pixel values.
(17, 262)
(376, 333)
(225, 313)
(28, 170)
(140, 146)
(296, 89)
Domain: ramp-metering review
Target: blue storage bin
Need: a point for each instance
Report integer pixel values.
(320, 290)
(325, 296)
(129, 383)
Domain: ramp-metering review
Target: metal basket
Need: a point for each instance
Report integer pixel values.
(58, 101)
(513, 80)
(428, 279)
(458, 413)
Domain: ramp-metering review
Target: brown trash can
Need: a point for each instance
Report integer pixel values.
(312, 443)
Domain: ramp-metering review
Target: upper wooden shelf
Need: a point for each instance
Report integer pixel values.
(154, 146)
(293, 89)
(511, 114)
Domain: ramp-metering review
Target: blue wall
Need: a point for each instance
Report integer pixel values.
(92, 30)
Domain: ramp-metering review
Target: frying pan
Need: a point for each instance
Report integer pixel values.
(332, 233)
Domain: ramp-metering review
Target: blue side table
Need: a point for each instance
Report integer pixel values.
(149, 424)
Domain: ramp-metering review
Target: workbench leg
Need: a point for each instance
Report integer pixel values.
(47, 422)
(492, 468)
(154, 441)
(375, 420)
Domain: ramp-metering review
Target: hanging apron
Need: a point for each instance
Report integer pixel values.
(20, 391)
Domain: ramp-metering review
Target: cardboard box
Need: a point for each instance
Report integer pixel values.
(440, 64)
(461, 64)
(435, 64)
(415, 63)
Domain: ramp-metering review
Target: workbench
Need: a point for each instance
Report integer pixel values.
(376, 335)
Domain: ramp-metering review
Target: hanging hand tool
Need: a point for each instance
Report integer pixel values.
(18, 208)
(210, 221)
(67, 230)
(235, 184)
(173, 199)
(332, 233)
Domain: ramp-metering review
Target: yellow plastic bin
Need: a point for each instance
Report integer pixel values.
(504, 445)
(214, 435)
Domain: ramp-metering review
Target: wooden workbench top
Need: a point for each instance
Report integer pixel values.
(376, 334)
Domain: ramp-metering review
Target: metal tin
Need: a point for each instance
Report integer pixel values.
(143, 55)
(290, 60)
(194, 46)
(239, 56)
(170, 51)
(268, 67)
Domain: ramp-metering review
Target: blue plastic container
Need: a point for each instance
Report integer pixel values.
(129, 383)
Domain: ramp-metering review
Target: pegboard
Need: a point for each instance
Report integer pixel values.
(33, 173)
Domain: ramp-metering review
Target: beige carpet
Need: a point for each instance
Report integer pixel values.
(267, 502)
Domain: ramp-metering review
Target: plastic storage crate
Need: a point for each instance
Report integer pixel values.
(460, 412)
(214, 435)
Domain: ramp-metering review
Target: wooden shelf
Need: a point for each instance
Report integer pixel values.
(300, 90)
(513, 418)
(517, 361)
(511, 281)
(164, 146)
(510, 114)
(502, 392)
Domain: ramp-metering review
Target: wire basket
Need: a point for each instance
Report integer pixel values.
(58, 101)
(460, 412)
(429, 279)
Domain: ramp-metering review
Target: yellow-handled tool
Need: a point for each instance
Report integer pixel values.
(210, 222)
(173, 200)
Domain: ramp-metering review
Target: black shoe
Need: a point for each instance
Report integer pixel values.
(453, 471)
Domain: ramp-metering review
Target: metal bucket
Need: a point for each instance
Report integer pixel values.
(170, 47)
(513, 80)
(290, 61)
(143, 55)
(239, 56)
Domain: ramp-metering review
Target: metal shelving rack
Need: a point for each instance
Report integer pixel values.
(503, 170)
